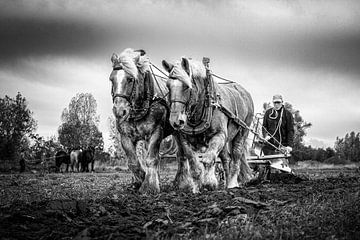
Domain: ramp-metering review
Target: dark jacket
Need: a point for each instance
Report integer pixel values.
(285, 133)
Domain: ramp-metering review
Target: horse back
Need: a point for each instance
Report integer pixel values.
(88, 156)
(62, 157)
(236, 99)
(75, 156)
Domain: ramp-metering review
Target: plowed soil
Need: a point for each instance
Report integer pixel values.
(316, 204)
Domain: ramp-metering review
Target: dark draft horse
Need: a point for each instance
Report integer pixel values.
(222, 137)
(88, 157)
(60, 158)
(141, 114)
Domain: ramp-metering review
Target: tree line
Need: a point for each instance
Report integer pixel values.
(79, 129)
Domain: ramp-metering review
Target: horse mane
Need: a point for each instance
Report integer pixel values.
(197, 72)
(133, 62)
(197, 69)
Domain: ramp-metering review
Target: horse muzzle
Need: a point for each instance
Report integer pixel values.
(121, 113)
(178, 126)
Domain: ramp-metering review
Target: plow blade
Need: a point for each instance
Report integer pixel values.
(277, 161)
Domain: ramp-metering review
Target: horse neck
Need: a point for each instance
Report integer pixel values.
(197, 100)
(143, 91)
(147, 88)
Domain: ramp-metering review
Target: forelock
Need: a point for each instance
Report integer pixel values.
(179, 73)
(132, 62)
(197, 68)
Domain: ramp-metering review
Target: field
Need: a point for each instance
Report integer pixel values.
(318, 204)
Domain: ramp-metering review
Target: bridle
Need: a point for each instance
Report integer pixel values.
(138, 112)
(127, 97)
(186, 103)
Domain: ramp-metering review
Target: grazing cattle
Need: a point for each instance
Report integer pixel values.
(75, 159)
(60, 158)
(88, 158)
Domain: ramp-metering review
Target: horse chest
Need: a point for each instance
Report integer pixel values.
(198, 141)
(137, 130)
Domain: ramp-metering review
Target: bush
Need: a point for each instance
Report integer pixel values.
(336, 160)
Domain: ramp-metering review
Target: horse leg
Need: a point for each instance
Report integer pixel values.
(184, 176)
(92, 165)
(225, 160)
(151, 183)
(216, 145)
(240, 170)
(133, 164)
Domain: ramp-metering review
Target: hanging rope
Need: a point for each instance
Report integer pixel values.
(159, 69)
(227, 80)
(157, 83)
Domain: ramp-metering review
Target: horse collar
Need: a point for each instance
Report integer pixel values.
(194, 128)
(138, 112)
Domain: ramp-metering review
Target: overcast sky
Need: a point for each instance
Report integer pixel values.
(308, 51)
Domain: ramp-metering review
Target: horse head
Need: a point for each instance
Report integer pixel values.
(182, 92)
(128, 69)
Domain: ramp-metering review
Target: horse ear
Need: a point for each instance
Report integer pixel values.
(142, 52)
(185, 65)
(168, 66)
(114, 58)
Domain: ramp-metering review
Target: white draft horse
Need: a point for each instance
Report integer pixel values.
(141, 114)
(221, 137)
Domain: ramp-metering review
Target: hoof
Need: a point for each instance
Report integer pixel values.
(149, 189)
(186, 185)
(233, 184)
(210, 186)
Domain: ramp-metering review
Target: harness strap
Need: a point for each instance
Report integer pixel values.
(240, 122)
(205, 122)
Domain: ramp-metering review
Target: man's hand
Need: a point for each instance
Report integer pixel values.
(267, 137)
(288, 149)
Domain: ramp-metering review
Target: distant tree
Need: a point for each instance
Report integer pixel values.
(16, 124)
(44, 148)
(348, 147)
(300, 125)
(80, 121)
(330, 152)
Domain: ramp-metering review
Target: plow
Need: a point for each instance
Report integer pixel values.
(261, 163)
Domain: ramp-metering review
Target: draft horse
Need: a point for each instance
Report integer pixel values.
(208, 118)
(141, 114)
(60, 158)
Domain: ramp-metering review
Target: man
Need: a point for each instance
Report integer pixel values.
(278, 127)
(278, 130)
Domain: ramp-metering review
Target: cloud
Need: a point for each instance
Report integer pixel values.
(307, 34)
(306, 50)
(23, 38)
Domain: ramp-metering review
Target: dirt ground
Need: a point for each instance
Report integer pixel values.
(318, 204)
